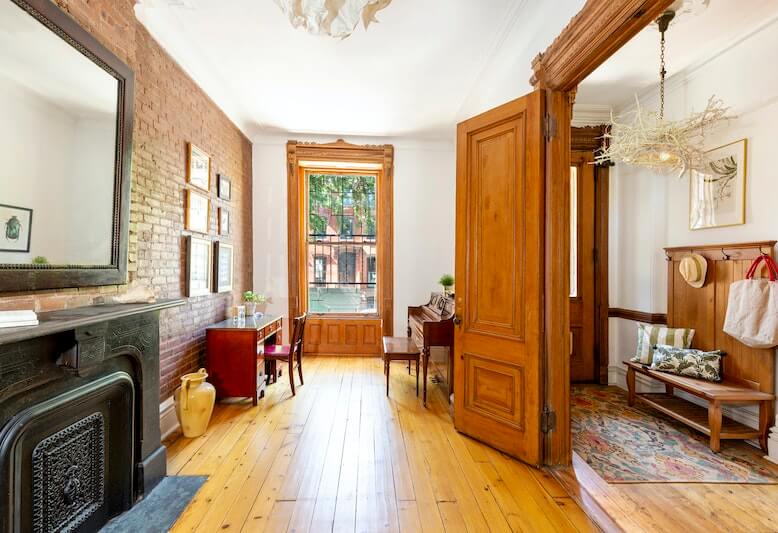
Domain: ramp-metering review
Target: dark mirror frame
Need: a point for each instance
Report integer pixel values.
(17, 277)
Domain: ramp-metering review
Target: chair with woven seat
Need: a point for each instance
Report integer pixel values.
(292, 354)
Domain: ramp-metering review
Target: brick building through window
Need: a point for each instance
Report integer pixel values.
(341, 242)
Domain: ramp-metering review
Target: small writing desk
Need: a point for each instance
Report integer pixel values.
(235, 361)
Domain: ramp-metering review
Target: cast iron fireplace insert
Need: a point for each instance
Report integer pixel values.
(79, 417)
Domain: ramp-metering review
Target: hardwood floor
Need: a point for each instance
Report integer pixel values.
(673, 507)
(340, 456)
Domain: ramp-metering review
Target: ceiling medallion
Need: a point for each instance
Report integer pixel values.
(671, 146)
(336, 18)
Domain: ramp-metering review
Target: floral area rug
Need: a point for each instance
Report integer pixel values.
(638, 444)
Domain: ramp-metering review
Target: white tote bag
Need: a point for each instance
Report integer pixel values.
(752, 309)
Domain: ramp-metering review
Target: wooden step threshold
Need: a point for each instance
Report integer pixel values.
(580, 482)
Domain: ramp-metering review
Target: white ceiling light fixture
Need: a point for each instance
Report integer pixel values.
(671, 146)
(336, 18)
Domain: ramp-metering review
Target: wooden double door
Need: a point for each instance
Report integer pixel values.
(499, 271)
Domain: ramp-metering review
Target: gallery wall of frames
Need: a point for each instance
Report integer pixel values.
(173, 211)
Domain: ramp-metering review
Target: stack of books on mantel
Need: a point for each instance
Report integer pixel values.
(14, 319)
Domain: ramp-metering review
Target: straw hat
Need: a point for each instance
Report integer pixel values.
(693, 269)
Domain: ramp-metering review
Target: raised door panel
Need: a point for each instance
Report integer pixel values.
(495, 273)
(495, 389)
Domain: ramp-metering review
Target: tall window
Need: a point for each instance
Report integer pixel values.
(341, 231)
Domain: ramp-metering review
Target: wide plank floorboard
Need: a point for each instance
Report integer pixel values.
(341, 456)
(675, 507)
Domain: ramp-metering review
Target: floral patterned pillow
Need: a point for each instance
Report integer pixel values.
(688, 362)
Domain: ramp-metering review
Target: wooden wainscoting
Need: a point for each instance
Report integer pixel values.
(704, 309)
(343, 336)
(637, 316)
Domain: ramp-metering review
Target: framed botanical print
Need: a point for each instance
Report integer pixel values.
(197, 212)
(224, 221)
(223, 188)
(16, 228)
(717, 193)
(198, 266)
(222, 266)
(198, 168)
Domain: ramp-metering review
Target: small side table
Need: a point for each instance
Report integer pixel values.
(403, 349)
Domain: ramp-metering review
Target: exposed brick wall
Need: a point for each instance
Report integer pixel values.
(170, 110)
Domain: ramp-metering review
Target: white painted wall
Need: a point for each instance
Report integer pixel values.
(424, 198)
(60, 165)
(649, 212)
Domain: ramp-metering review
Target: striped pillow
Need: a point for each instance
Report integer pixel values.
(649, 336)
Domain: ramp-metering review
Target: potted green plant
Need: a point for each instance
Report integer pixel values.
(447, 281)
(251, 299)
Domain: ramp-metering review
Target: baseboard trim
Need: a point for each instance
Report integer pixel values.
(637, 316)
(617, 375)
(168, 421)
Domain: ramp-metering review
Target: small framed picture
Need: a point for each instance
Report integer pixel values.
(17, 228)
(223, 188)
(197, 212)
(222, 266)
(198, 266)
(224, 221)
(198, 168)
(717, 194)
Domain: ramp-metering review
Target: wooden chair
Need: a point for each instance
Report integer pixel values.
(292, 354)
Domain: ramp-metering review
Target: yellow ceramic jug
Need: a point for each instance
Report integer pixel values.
(194, 403)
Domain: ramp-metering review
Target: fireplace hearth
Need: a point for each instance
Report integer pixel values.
(79, 417)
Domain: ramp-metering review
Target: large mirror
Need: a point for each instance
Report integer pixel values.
(65, 152)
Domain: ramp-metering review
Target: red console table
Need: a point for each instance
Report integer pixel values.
(235, 361)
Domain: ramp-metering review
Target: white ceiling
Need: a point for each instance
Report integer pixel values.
(691, 40)
(423, 67)
(408, 75)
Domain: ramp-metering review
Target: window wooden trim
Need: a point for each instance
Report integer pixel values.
(341, 152)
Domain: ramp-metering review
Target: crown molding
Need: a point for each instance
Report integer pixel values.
(689, 73)
(509, 21)
(590, 115)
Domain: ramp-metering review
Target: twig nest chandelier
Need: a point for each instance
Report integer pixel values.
(671, 146)
(336, 18)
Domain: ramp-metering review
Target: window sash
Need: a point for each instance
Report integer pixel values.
(341, 242)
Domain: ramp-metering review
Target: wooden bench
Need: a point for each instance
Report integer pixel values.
(403, 349)
(708, 421)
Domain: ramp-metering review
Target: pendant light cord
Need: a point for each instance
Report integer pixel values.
(663, 22)
(662, 73)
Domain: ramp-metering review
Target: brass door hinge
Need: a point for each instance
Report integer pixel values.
(549, 127)
(547, 420)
